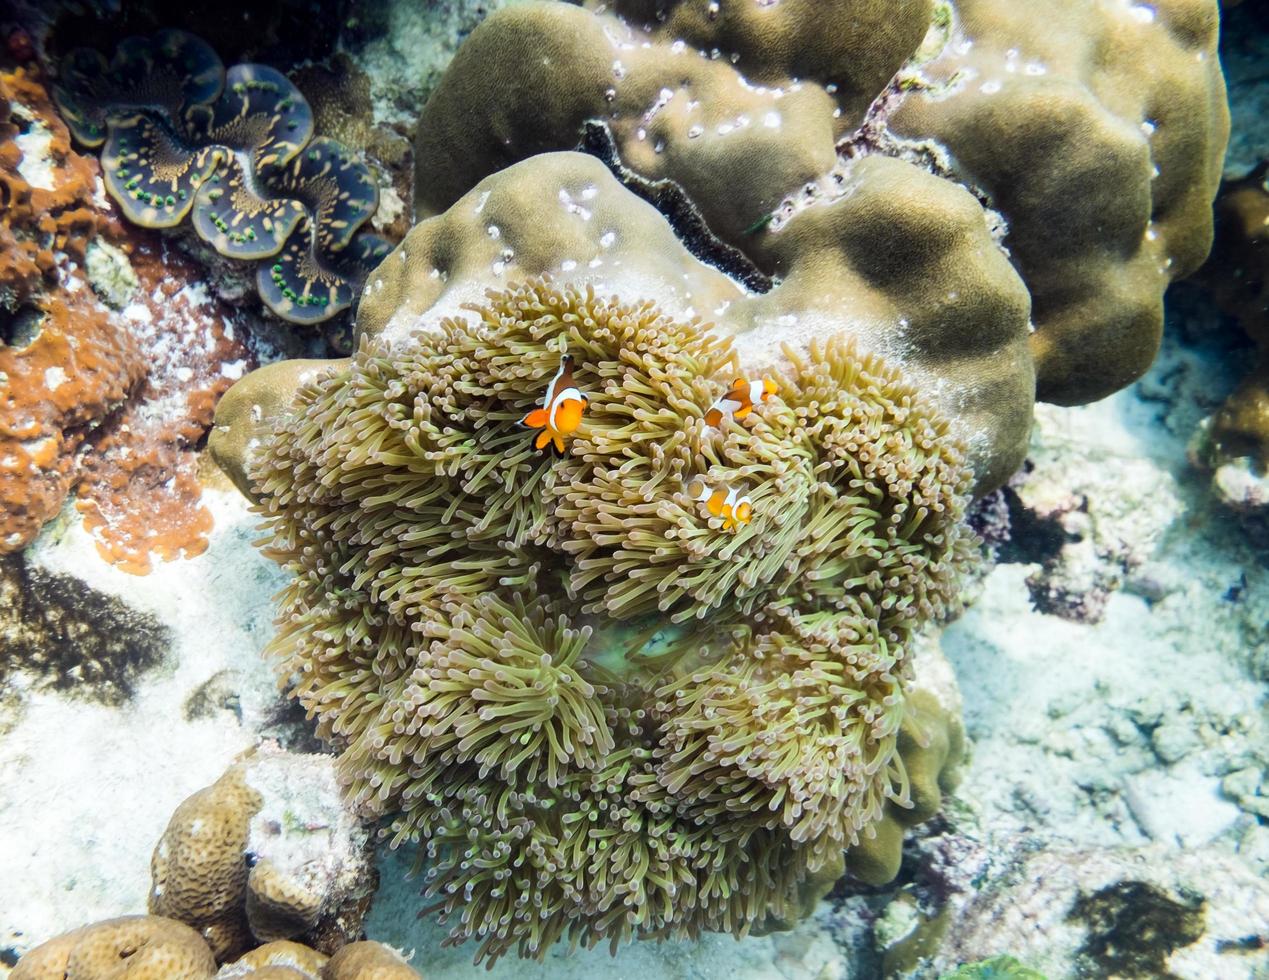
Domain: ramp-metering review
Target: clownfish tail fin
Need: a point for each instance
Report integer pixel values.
(536, 419)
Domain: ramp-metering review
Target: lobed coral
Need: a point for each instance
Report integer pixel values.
(265, 853)
(1097, 176)
(81, 408)
(234, 150)
(151, 947)
(563, 665)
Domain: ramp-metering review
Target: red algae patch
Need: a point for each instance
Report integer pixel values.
(108, 403)
(140, 494)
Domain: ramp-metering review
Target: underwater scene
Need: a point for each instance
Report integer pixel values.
(641, 489)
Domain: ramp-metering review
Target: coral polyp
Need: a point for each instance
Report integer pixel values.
(182, 136)
(600, 713)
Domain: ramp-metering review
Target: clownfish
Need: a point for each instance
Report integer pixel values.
(734, 509)
(740, 399)
(561, 411)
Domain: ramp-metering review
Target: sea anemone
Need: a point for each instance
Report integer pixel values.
(602, 714)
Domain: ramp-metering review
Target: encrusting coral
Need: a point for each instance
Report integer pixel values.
(57, 632)
(138, 487)
(41, 415)
(235, 150)
(38, 220)
(267, 852)
(1097, 176)
(82, 408)
(151, 947)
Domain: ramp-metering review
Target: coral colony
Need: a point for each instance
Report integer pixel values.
(104, 391)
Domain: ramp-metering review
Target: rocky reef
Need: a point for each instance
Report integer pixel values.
(448, 574)
(625, 553)
(234, 149)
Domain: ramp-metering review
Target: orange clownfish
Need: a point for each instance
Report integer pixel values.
(733, 508)
(740, 399)
(561, 411)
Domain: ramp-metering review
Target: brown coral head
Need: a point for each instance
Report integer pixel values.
(602, 714)
(266, 853)
(150, 947)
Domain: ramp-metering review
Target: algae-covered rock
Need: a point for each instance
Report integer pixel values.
(268, 852)
(57, 632)
(1128, 912)
(995, 968)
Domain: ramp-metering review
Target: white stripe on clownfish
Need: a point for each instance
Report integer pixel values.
(740, 399)
(726, 503)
